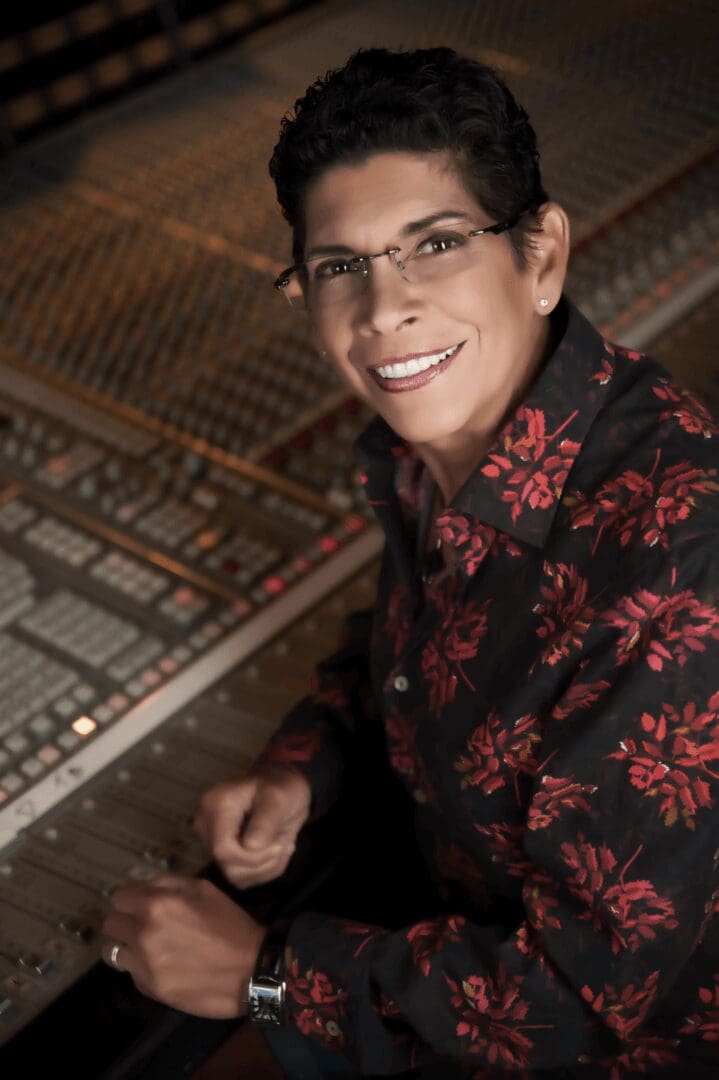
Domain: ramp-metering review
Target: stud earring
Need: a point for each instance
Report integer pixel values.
(323, 353)
(544, 302)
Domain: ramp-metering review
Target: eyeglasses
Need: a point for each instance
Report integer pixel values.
(340, 279)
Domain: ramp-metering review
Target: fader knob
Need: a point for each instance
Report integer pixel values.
(113, 470)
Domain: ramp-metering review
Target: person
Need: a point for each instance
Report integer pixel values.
(542, 653)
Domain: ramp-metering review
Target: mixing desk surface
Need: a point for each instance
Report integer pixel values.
(181, 529)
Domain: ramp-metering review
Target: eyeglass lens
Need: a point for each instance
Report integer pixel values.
(324, 282)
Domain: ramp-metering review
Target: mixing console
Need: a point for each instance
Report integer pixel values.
(181, 527)
(118, 573)
(131, 819)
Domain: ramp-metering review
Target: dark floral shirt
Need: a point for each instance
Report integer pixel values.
(552, 707)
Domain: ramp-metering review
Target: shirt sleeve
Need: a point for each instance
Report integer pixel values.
(316, 736)
(617, 862)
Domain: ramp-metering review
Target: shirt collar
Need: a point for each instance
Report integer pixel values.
(518, 486)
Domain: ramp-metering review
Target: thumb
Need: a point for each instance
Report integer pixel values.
(266, 820)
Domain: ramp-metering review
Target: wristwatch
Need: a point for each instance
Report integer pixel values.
(267, 988)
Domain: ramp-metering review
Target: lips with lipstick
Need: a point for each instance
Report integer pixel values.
(412, 371)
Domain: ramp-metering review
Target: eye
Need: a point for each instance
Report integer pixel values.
(332, 268)
(439, 244)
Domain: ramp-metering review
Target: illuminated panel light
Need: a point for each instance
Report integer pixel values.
(354, 523)
(58, 466)
(84, 726)
(328, 544)
(206, 540)
(274, 585)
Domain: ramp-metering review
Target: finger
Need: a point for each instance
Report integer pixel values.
(248, 879)
(133, 899)
(120, 927)
(256, 862)
(173, 882)
(267, 866)
(268, 821)
(222, 811)
(117, 955)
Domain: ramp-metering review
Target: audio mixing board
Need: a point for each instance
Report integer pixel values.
(181, 528)
(134, 575)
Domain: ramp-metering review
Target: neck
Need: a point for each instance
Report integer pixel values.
(452, 460)
(451, 466)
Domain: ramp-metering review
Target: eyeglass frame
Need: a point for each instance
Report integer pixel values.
(284, 278)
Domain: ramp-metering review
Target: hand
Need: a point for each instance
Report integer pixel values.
(185, 944)
(251, 825)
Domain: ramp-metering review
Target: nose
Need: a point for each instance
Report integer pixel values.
(388, 301)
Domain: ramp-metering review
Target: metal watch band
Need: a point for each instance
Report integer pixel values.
(267, 988)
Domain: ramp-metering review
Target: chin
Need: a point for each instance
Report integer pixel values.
(422, 429)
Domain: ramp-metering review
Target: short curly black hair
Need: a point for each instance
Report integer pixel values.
(427, 100)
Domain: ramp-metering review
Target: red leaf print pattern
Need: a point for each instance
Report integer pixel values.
(491, 1011)
(557, 792)
(704, 1023)
(693, 417)
(397, 619)
(566, 615)
(528, 945)
(473, 541)
(492, 744)
(442, 680)
(628, 909)
(401, 743)
(623, 1011)
(540, 901)
(367, 933)
(579, 696)
(504, 544)
(662, 628)
(331, 694)
(672, 764)
(403, 755)
(320, 1005)
(645, 1054)
(635, 504)
(533, 477)
(456, 639)
(427, 939)
(505, 843)
(607, 370)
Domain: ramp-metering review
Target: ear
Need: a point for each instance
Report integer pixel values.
(549, 256)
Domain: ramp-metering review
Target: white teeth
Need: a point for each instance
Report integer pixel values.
(414, 367)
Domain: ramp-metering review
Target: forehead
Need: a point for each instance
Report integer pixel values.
(354, 203)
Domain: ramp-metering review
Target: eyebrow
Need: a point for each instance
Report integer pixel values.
(410, 229)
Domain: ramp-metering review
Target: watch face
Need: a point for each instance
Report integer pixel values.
(264, 1002)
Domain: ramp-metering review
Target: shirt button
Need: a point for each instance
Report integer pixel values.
(419, 796)
(401, 683)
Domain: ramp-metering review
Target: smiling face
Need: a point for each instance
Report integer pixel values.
(469, 341)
